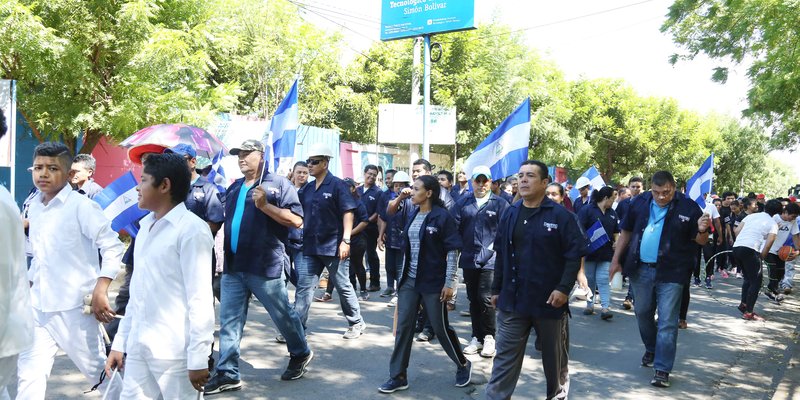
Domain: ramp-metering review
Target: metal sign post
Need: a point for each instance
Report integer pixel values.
(426, 98)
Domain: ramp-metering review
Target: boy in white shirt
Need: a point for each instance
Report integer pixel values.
(788, 235)
(66, 231)
(169, 322)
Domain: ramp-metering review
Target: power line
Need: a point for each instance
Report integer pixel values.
(332, 21)
(331, 11)
(321, 5)
(559, 21)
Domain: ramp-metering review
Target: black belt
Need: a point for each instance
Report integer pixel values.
(651, 265)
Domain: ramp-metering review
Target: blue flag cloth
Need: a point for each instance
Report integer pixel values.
(597, 236)
(284, 132)
(217, 174)
(595, 182)
(506, 148)
(700, 183)
(120, 203)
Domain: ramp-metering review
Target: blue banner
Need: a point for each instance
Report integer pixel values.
(409, 18)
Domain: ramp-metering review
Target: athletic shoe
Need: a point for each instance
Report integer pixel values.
(648, 358)
(280, 339)
(753, 317)
(389, 292)
(364, 295)
(682, 324)
(326, 297)
(660, 379)
(489, 349)
(392, 302)
(723, 273)
(742, 308)
(297, 367)
(374, 288)
(627, 304)
(394, 384)
(221, 383)
(697, 281)
(738, 275)
(605, 314)
(425, 336)
(770, 295)
(779, 297)
(354, 331)
(465, 313)
(708, 283)
(787, 290)
(588, 310)
(473, 347)
(464, 374)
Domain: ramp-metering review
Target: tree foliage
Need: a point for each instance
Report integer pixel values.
(763, 34)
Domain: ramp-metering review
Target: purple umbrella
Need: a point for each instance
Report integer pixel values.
(171, 134)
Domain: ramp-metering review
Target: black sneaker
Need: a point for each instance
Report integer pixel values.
(464, 374)
(394, 384)
(221, 383)
(297, 367)
(648, 358)
(425, 336)
(770, 295)
(660, 379)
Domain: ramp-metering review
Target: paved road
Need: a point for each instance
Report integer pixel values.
(720, 356)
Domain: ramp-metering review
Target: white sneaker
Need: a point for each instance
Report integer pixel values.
(392, 302)
(488, 347)
(355, 331)
(473, 347)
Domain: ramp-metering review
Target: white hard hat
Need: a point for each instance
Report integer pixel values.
(402, 177)
(319, 149)
(582, 181)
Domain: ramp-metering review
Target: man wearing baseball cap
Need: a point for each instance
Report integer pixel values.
(582, 184)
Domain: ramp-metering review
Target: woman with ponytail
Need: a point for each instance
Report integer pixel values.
(428, 279)
(601, 249)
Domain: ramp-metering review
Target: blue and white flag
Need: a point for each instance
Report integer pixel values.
(595, 182)
(217, 174)
(700, 183)
(506, 147)
(120, 203)
(284, 132)
(597, 236)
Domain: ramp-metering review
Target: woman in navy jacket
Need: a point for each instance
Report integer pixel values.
(428, 279)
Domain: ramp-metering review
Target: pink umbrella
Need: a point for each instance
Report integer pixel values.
(171, 134)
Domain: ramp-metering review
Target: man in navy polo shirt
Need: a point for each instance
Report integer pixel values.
(328, 207)
(202, 200)
(258, 213)
(370, 195)
(661, 234)
(539, 247)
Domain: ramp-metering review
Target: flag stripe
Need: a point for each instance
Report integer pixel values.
(506, 147)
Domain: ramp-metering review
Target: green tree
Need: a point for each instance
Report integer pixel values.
(762, 34)
(109, 67)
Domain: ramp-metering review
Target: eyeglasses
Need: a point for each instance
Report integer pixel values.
(313, 162)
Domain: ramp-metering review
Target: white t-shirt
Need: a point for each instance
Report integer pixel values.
(711, 210)
(784, 228)
(757, 227)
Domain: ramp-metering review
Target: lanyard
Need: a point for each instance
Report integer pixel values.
(655, 224)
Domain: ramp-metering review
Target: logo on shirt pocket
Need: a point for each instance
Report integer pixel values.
(683, 218)
(199, 195)
(327, 195)
(491, 213)
(550, 226)
(432, 230)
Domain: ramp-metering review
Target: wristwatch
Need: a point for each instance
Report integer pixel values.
(346, 241)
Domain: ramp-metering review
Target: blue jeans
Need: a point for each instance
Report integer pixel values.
(236, 288)
(308, 270)
(394, 263)
(666, 297)
(597, 275)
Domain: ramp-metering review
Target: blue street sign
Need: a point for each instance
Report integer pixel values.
(409, 18)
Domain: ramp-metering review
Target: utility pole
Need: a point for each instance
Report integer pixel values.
(413, 148)
(426, 102)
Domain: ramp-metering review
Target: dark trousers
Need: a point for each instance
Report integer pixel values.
(685, 298)
(706, 252)
(358, 274)
(408, 302)
(394, 266)
(777, 269)
(722, 259)
(373, 261)
(513, 331)
(750, 262)
(121, 302)
(479, 294)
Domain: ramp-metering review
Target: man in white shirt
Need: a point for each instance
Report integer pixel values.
(169, 322)
(16, 322)
(66, 231)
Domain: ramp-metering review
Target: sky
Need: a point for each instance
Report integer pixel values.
(585, 38)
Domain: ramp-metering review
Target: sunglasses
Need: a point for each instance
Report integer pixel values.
(313, 162)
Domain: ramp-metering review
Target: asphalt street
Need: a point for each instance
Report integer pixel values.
(720, 356)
